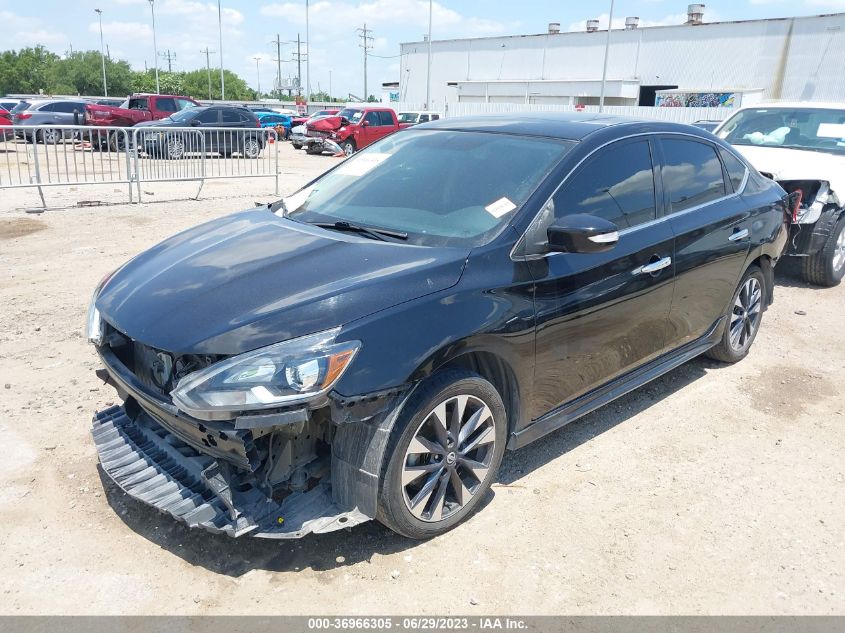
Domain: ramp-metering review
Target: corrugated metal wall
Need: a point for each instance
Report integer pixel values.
(793, 58)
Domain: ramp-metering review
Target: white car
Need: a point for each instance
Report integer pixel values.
(413, 118)
(802, 147)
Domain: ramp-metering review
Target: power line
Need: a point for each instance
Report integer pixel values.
(366, 44)
(208, 68)
(278, 43)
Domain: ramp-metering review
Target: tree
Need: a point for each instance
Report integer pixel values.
(82, 73)
(26, 71)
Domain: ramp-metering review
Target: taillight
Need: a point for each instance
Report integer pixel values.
(796, 208)
(23, 115)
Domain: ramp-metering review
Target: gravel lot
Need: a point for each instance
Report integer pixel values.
(714, 490)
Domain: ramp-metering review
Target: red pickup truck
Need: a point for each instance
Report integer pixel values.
(351, 128)
(137, 108)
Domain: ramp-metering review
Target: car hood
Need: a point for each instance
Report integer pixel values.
(252, 279)
(795, 164)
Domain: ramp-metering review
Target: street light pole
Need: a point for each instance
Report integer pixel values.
(428, 75)
(330, 83)
(220, 32)
(606, 52)
(155, 46)
(258, 74)
(208, 68)
(102, 54)
(307, 55)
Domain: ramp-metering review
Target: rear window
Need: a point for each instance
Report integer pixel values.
(692, 172)
(139, 104)
(23, 105)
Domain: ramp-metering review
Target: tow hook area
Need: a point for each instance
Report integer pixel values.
(152, 465)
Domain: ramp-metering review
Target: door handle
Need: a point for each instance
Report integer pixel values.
(653, 267)
(738, 235)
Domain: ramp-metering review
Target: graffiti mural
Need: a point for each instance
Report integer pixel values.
(697, 100)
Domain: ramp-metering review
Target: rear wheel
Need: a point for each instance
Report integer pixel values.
(743, 318)
(175, 148)
(251, 148)
(827, 267)
(50, 136)
(443, 454)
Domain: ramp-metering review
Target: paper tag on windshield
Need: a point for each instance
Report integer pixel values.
(361, 164)
(500, 207)
(831, 130)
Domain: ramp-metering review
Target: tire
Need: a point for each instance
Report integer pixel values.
(348, 147)
(296, 145)
(744, 315)
(827, 267)
(251, 148)
(314, 149)
(117, 142)
(431, 502)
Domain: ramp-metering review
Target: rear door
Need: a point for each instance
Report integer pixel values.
(600, 315)
(712, 226)
(209, 121)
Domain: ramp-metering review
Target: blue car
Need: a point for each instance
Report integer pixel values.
(273, 119)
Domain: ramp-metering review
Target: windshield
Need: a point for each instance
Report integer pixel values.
(183, 116)
(408, 117)
(795, 128)
(441, 187)
(351, 115)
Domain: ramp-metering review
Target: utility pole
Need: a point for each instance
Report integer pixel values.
(278, 43)
(102, 53)
(208, 68)
(606, 51)
(258, 74)
(155, 46)
(307, 55)
(299, 57)
(169, 57)
(330, 83)
(366, 44)
(220, 34)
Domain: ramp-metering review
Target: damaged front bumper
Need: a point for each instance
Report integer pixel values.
(152, 465)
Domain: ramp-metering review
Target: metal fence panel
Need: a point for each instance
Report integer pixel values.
(71, 155)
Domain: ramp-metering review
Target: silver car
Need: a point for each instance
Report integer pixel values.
(46, 112)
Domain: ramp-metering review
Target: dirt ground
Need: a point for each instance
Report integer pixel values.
(713, 490)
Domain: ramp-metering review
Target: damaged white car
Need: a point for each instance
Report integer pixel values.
(802, 147)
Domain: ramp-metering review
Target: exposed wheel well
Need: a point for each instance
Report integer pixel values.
(764, 263)
(498, 373)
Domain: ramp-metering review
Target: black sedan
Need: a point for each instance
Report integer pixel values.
(224, 130)
(369, 346)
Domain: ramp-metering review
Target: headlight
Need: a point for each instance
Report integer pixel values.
(279, 375)
(95, 328)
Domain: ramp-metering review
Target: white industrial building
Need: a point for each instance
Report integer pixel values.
(801, 58)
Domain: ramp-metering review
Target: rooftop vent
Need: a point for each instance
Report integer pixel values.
(695, 14)
(631, 23)
(592, 26)
(554, 27)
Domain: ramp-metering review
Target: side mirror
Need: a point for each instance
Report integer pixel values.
(365, 123)
(582, 233)
(195, 123)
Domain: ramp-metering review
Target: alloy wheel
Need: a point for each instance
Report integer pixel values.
(745, 317)
(175, 148)
(348, 149)
(448, 458)
(251, 148)
(839, 252)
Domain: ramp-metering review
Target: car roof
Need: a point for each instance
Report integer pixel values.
(818, 105)
(573, 126)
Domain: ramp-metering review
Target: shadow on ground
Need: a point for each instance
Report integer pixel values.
(235, 557)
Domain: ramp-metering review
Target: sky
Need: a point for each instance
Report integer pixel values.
(185, 27)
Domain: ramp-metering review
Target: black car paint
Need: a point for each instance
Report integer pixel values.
(216, 137)
(252, 279)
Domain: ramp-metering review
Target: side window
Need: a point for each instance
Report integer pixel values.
(183, 104)
(423, 118)
(231, 116)
(386, 118)
(209, 117)
(166, 104)
(435, 117)
(692, 173)
(617, 185)
(372, 118)
(67, 107)
(736, 168)
(50, 107)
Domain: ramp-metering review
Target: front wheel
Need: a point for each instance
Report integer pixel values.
(348, 147)
(827, 267)
(743, 318)
(442, 455)
(175, 148)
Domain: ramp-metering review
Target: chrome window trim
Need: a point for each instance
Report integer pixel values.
(632, 229)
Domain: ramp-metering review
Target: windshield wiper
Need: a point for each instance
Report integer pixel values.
(369, 231)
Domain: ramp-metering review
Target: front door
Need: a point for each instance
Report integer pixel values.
(600, 315)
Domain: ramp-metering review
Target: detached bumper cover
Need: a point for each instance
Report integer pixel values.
(155, 467)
